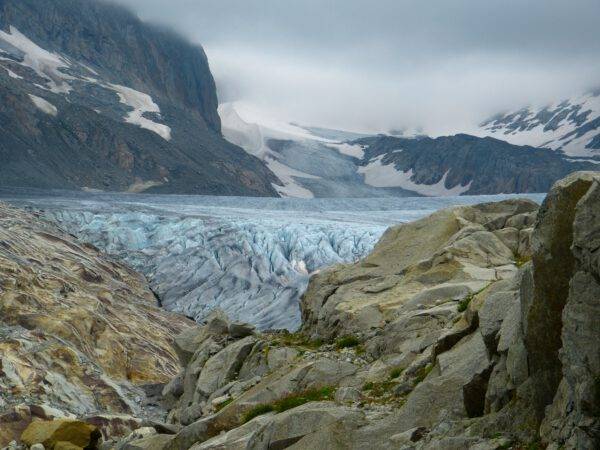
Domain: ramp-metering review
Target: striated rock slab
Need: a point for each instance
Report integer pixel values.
(78, 331)
(415, 267)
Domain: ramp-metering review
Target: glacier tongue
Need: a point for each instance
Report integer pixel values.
(255, 272)
(250, 257)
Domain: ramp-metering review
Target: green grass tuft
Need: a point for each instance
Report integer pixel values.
(258, 410)
(422, 373)
(395, 373)
(291, 401)
(464, 303)
(224, 404)
(347, 342)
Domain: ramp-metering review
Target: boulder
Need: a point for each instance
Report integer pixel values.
(239, 330)
(48, 433)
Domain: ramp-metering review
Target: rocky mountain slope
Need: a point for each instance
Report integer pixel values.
(571, 126)
(80, 334)
(462, 164)
(473, 328)
(90, 97)
(313, 162)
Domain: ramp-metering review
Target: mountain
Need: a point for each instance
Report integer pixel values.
(318, 162)
(91, 97)
(571, 126)
(462, 164)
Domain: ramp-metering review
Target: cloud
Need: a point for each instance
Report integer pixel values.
(375, 65)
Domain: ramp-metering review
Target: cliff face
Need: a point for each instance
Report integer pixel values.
(92, 97)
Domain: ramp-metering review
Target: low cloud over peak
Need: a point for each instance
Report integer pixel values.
(373, 66)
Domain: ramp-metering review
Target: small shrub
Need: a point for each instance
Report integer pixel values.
(395, 373)
(347, 342)
(368, 386)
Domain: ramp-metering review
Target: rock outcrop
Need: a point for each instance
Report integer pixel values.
(80, 334)
(474, 328)
(455, 333)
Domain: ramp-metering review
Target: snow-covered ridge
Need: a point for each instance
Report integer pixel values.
(16, 48)
(568, 125)
(313, 154)
(379, 174)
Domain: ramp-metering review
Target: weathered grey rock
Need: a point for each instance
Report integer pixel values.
(224, 366)
(37, 447)
(238, 330)
(240, 438)
(554, 266)
(348, 395)
(573, 420)
(288, 428)
(454, 389)
(509, 237)
(188, 342)
(154, 442)
(521, 221)
(493, 312)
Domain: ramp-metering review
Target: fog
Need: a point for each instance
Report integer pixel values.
(440, 66)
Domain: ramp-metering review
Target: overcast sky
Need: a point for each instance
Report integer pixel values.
(380, 64)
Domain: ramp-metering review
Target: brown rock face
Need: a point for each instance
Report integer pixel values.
(78, 331)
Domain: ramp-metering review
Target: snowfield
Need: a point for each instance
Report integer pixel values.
(250, 257)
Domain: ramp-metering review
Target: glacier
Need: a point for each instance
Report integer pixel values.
(250, 257)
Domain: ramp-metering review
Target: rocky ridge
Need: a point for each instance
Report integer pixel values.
(474, 328)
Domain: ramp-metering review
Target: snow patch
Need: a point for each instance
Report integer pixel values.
(43, 105)
(354, 150)
(11, 73)
(382, 175)
(141, 103)
(286, 175)
(43, 62)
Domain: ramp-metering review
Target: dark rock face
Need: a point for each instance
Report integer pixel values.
(572, 420)
(554, 267)
(131, 107)
(491, 166)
